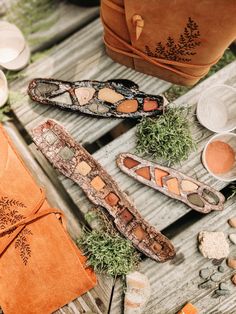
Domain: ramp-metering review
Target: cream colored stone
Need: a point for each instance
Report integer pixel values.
(188, 186)
(137, 294)
(83, 168)
(109, 95)
(84, 94)
(213, 244)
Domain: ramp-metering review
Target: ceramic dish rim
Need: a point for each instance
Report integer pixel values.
(198, 105)
(204, 156)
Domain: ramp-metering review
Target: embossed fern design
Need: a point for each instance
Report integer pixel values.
(9, 215)
(181, 50)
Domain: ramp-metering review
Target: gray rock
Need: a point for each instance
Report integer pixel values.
(223, 286)
(222, 292)
(216, 277)
(205, 273)
(217, 262)
(221, 269)
(205, 285)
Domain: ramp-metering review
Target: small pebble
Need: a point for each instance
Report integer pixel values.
(221, 269)
(232, 222)
(205, 273)
(232, 238)
(217, 262)
(213, 245)
(233, 279)
(205, 285)
(222, 292)
(215, 277)
(223, 286)
(214, 295)
(231, 263)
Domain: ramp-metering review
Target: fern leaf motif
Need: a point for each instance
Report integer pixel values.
(183, 49)
(9, 215)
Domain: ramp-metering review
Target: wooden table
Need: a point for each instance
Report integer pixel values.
(77, 52)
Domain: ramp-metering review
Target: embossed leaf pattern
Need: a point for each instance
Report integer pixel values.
(178, 51)
(9, 215)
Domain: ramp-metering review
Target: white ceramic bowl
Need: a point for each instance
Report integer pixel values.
(20, 62)
(216, 109)
(3, 89)
(14, 50)
(12, 43)
(229, 138)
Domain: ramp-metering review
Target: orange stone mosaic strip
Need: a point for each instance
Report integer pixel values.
(172, 183)
(77, 164)
(113, 98)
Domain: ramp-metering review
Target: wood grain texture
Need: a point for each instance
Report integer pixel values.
(82, 56)
(175, 283)
(68, 19)
(158, 209)
(65, 19)
(73, 60)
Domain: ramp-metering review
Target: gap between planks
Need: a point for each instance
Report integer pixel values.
(176, 282)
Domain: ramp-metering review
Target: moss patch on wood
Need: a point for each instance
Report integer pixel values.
(4, 113)
(13, 75)
(166, 138)
(108, 254)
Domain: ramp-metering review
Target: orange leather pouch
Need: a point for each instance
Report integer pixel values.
(175, 40)
(41, 269)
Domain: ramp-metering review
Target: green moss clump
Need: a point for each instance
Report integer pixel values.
(4, 111)
(13, 75)
(108, 254)
(167, 138)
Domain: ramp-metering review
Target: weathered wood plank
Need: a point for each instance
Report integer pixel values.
(68, 19)
(74, 60)
(168, 210)
(65, 18)
(96, 300)
(176, 282)
(158, 209)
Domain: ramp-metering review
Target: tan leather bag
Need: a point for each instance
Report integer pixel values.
(175, 40)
